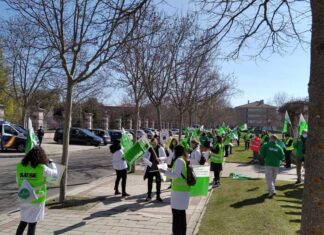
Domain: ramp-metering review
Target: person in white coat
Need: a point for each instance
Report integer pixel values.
(179, 191)
(120, 166)
(195, 155)
(153, 156)
(35, 168)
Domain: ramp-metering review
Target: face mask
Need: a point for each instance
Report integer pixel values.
(305, 135)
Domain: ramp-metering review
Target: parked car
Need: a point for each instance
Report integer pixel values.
(117, 134)
(12, 136)
(79, 136)
(140, 134)
(104, 134)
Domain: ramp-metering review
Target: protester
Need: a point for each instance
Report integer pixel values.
(238, 137)
(170, 152)
(255, 147)
(195, 155)
(227, 141)
(179, 191)
(120, 166)
(264, 137)
(35, 168)
(40, 135)
(216, 160)
(153, 156)
(247, 138)
(300, 147)
(289, 147)
(273, 155)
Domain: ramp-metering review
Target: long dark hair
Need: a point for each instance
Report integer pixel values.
(35, 156)
(115, 146)
(178, 151)
(172, 146)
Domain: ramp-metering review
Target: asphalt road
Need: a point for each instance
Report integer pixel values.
(84, 167)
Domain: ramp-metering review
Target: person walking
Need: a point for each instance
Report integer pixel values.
(289, 147)
(153, 156)
(247, 138)
(35, 168)
(40, 135)
(120, 166)
(216, 159)
(179, 191)
(238, 137)
(272, 154)
(300, 147)
(227, 141)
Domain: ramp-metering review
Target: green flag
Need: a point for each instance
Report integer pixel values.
(243, 127)
(303, 126)
(31, 138)
(286, 123)
(136, 151)
(125, 141)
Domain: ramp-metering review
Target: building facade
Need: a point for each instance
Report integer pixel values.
(257, 114)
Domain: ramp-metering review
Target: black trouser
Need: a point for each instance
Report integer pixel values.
(40, 140)
(226, 150)
(247, 145)
(179, 222)
(150, 177)
(22, 225)
(288, 158)
(121, 174)
(230, 149)
(238, 142)
(216, 168)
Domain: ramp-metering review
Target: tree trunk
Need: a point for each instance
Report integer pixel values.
(158, 111)
(137, 114)
(190, 112)
(180, 125)
(66, 139)
(313, 198)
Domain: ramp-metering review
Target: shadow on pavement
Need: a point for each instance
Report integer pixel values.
(70, 228)
(250, 201)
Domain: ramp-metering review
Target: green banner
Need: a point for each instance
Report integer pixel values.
(136, 151)
(202, 181)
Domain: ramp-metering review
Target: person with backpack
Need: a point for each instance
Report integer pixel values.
(153, 156)
(120, 166)
(179, 190)
(40, 135)
(31, 174)
(216, 159)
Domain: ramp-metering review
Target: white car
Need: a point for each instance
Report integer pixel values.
(140, 134)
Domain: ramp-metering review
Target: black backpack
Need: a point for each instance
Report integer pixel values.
(191, 177)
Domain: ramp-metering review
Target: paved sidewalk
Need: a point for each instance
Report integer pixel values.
(112, 214)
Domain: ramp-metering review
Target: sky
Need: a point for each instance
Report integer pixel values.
(255, 79)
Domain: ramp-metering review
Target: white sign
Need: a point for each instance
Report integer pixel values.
(201, 171)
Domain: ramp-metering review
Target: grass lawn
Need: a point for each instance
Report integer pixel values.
(242, 207)
(240, 155)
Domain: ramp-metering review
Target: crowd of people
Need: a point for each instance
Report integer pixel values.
(196, 148)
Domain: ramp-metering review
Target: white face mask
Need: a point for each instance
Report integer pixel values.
(305, 135)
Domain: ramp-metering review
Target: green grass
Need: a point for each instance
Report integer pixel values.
(239, 155)
(242, 207)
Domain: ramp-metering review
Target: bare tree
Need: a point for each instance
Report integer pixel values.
(30, 67)
(275, 25)
(85, 35)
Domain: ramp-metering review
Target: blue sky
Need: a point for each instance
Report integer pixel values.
(256, 79)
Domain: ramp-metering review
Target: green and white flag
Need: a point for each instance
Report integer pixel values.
(136, 151)
(243, 127)
(286, 123)
(125, 141)
(202, 181)
(31, 138)
(302, 126)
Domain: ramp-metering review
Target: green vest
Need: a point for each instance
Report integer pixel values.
(227, 140)
(291, 147)
(180, 184)
(35, 177)
(218, 158)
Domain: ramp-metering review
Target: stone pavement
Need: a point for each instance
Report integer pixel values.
(109, 214)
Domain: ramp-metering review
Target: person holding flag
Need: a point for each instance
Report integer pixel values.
(300, 151)
(216, 159)
(31, 175)
(289, 147)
